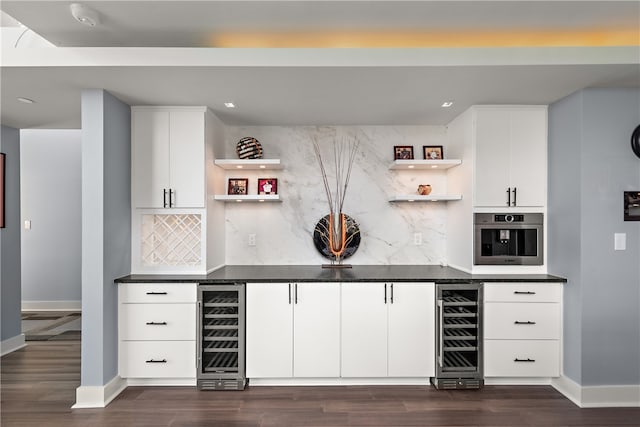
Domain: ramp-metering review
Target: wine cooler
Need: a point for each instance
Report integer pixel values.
(221, 341)
(459, 336)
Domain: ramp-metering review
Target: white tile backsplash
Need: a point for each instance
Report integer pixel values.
(284, 230)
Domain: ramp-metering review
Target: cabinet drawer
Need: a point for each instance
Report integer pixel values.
(158, 292)
(522, 292)
(158, 359)
(517, 358)
(504, 320)
(158, 322)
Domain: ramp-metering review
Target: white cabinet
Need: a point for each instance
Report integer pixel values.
(510, 156)
(388, 330)
(157, 331)
(522, 329)
(293, 330)
(168, 157)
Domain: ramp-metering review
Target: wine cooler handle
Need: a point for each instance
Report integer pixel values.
(440, 334)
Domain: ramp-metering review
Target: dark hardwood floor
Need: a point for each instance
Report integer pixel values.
(39, 382)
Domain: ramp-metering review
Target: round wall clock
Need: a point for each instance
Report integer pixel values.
(635, 141)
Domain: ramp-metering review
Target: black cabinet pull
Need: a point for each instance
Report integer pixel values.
(528, 322)
(524, 360)
(515, 195)
(385, 293)
(164, 197)
(171, 198)
(156, 293)
(295, 290)
(524, 293)
(392, 293)
(156, 361)
(157, 323)
(289, 293)
(509, 196)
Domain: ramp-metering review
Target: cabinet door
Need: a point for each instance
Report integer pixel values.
(364, 330)
(492, 157)
(269, 330)
(412, 330)
(316, 330)
(150, 151)
(186, 159)
(528, 153)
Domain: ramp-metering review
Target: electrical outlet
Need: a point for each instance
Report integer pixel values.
(620, 241)
(27, 224)
(252, 239)
(417, 239)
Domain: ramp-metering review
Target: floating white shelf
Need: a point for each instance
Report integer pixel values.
(425, 164)
(249, 164)
(429, 198)
(250, 198)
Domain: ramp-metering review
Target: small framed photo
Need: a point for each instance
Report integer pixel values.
(238, 186)
(267, 186)
(402, 152)
(433, 152)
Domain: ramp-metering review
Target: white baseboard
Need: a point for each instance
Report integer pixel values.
(135, 382)
(337, 381)
(12, 344)
(602, 396)
(99, 396)
(52, 305)
(517, 381)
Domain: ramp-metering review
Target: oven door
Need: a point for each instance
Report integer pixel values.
(508, 244)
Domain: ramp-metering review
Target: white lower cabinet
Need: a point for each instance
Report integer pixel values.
(388, 330)
(522, 329)
(157, 331)
(293, 330)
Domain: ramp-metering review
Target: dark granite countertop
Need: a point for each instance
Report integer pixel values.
(358, 273)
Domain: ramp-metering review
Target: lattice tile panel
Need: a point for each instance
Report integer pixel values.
(172, 240)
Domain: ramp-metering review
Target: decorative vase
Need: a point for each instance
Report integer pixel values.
(424, 189)
(336, 237)
(249, 148)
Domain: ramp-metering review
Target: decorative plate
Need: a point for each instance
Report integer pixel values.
(249, 148)
(635, 141)
(321, 237)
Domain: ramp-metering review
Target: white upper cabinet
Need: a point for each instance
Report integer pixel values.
(168, 164)
(510, 156)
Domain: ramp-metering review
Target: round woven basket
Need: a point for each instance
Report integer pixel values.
(249, 148)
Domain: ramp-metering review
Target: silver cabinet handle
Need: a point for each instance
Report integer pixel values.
(440, 334)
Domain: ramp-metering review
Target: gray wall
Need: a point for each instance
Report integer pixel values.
(51, 199)
(106, 229)
(10, 238)
(591, 165)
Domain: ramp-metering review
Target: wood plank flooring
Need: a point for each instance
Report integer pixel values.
(39, 382)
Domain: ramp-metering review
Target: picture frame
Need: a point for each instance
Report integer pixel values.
(402, 152)
(3, 159)
(433, 152)
(267, 186)
(238, 186)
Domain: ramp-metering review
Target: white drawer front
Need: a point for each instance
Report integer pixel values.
(516, 358)
(156, 322)
(158, 292)
(517, 321)
(164, 359)
(522, 292)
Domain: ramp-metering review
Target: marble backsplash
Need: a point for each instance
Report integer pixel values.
(284, 230)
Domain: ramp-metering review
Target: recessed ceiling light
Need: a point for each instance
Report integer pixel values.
(239, 166)
(230, 105)
(434, 166)
(84, 14)
(263, 167)
(26, 100)
(411, 166)
(447, 104)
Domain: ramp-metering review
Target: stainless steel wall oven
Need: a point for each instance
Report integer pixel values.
(221, 338)
(459, 361)
(508, 239)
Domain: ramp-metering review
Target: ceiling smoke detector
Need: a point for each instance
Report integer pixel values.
(84, 15)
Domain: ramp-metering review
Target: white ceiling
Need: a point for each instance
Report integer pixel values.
(307, 86)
